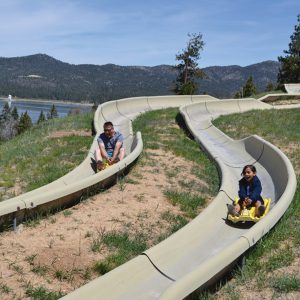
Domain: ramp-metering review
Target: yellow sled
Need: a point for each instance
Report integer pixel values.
(248, 215)
(105, 165)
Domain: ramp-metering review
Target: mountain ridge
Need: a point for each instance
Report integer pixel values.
(42, 76)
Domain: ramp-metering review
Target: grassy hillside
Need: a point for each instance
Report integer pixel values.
(37, 157)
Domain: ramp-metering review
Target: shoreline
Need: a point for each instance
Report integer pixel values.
(17, 99)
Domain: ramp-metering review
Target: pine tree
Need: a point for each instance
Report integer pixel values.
(290, 64)
(6, 112)
(24, 123)
(269, 87)
(188, 69)
(15, 114)
(249, 88)
(42, 118)
(237, 95)
(95, 106)
(53, 112)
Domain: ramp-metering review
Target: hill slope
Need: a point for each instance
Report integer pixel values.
(41, 76)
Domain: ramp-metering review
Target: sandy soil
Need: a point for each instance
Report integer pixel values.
(57, 252)
(284, 102)
(61, 134)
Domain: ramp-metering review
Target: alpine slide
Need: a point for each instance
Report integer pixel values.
(206, 247)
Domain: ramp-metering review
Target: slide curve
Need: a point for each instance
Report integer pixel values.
(207, 245)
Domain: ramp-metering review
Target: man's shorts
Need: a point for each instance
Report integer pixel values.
(110, 153)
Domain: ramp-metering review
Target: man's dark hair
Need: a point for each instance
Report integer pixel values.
(108, 123)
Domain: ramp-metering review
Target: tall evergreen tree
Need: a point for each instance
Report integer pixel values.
(188, 70)
(269, 87)
(42, 118)
(289, 71)
(249, 88)
(15, 114)
(5, 113)
(24, 123)
(237, 95)
(53, 113)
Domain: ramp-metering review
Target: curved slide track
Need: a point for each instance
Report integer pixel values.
(206, 246)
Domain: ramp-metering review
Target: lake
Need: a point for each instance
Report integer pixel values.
(34, 107)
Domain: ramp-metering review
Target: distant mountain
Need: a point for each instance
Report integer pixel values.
(226, 81)
(42, 76)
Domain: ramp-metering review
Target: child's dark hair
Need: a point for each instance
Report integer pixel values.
(251, 167)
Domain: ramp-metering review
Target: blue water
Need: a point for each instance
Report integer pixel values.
(34, 108)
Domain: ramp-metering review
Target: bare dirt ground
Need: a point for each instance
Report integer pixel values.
(56, 252)
(60, 134)
(284, 102)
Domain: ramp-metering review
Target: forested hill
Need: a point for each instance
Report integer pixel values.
(41, 76)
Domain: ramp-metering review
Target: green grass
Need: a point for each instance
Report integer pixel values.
(30, 259)
(188, 203)
(4, 289)
(40, 293)
(259, 95)
(62, 275)
(67, 213)
(40, 270)
(18, 269)
(33, 222)
(123, 247)
(282, 258)
(33, 159)
(176, 222)
(97, 241)
(281, 128)
(285, 284)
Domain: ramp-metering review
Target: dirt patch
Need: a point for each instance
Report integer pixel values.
(56, 253)
(64, 133)
(284, 102)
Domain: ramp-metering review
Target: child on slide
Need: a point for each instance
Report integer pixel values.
(249, 193)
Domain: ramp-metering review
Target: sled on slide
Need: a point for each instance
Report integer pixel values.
(248, 214)
(104, 165)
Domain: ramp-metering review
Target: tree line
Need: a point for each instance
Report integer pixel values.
(11, 124)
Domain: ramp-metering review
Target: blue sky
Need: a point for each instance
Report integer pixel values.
(148, 33)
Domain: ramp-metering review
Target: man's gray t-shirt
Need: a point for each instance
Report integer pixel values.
(110, 142)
